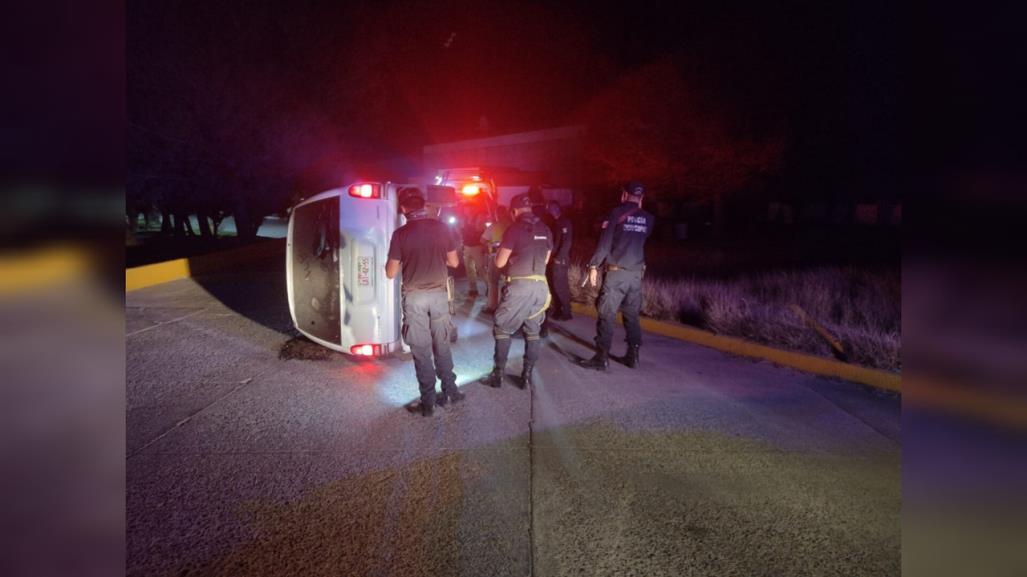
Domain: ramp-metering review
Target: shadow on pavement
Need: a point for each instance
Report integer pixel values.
(255, 288)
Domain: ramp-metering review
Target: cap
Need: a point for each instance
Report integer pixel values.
(407, 192)
(521, 201)
(634, 188)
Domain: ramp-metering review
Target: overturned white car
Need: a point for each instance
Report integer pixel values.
(338, 242)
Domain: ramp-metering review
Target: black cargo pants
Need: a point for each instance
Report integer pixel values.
(426, 329)
(523, 304)
(622, 291)
(560, 287)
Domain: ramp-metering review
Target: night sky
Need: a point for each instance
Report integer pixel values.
(288, 89)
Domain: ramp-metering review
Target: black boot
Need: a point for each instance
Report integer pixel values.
(494, 379)
(419, 406)
(631, 358)
(600, 362)
(526, 375)
(452, 395)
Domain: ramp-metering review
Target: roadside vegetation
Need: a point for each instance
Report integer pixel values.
(858, 304)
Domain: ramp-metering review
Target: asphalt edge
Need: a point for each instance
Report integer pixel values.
(161, 272)
(804, 362)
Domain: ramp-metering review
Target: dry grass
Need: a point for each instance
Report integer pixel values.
(858, 305)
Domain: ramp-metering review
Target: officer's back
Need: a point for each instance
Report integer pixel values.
(621, 249)
(422, 249)
(422, 244)
(631, 226)
(529, 241)
(523, 253)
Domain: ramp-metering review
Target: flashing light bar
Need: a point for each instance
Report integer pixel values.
(470, 189)
(365, 190)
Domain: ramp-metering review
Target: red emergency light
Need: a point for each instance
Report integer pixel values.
(470, 189)
(365, 190)
(365, 350)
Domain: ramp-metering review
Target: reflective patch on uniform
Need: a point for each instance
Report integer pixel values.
(541, 237)
(564, 230)
(636, 224)
(605, 223)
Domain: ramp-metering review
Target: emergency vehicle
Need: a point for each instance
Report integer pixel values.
(498, 185)
(475, 191)
(336, 249)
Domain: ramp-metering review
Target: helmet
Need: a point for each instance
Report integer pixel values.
(633, 188)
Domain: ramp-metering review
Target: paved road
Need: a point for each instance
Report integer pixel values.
(245, 461)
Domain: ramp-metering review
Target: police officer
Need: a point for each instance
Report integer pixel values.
(524, 251)
(538, 203)
(491, 238)
(622, 248)
(424, 247)
(559, 285)
(472, 226)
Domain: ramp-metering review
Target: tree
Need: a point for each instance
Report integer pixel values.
(655, 127)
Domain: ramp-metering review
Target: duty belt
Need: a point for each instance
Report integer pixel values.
(538, 277)
(610, 267)
(535, 277)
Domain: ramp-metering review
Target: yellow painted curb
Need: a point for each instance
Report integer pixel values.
(25, 271)
(157, 273)
(967, 399)
(801, 361)
(162, 272)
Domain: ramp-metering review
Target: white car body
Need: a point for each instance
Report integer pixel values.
(335, 259)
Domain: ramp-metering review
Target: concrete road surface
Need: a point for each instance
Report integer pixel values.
(249, 453)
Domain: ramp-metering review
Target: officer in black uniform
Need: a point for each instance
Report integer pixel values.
(524, 251)
(622, 249)
(559, 285)
(424, 247)
(538, 208)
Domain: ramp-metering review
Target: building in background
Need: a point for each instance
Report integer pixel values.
(550, 158)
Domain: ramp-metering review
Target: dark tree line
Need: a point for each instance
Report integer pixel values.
(240, 108)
